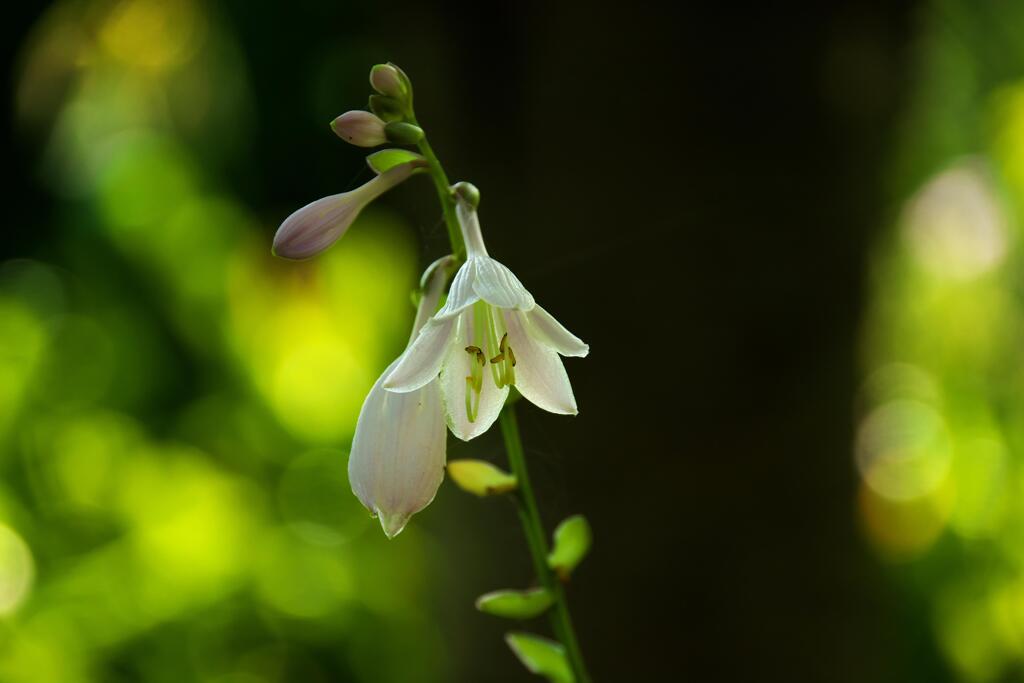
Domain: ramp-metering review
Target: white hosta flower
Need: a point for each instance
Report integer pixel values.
(489, 335)
(320, 224)
(398, 451)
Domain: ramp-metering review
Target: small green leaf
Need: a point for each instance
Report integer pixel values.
(541, 656)
(481, 478)
(387, 159)
(515, 604)
(572, 541)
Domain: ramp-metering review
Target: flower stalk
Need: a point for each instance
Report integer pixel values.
(456, 373)
(526, 503)
(444, 193)
(533, 528)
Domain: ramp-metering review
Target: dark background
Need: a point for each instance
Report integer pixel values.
(692, 190)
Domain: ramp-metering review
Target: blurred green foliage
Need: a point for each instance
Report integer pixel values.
(942, 431)
(173, 503)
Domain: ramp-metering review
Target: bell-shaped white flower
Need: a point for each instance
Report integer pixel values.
(489, 335)
(398, 451)
(320, 224)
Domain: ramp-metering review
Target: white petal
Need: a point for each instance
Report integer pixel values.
(398, 453)
(457, 367)
(422, 360)
(497, 285)
(551, 332)
(460, 295)
(540, 375)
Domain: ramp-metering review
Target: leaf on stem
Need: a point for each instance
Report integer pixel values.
(515, 604)
(572, 542)
(481, 478)
(541, 656)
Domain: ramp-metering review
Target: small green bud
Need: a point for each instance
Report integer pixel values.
(516, 604)
(480, 478)
(386, 79)
(388, 108)
(572, 542)
(467, 192)
(360, 128)
(402, 133)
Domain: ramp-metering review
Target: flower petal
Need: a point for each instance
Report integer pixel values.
(540, 375)
(422, 360)
(398, 452)
(497, 285)
(456, 368)
(460, 294)
(317, 225)
(544, 327)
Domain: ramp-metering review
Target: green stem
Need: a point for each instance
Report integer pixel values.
(526, 504)
(444, 195)
(529, 515)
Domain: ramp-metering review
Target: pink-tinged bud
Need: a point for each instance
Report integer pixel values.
(320, 224)
(360, 128)
(386, 79)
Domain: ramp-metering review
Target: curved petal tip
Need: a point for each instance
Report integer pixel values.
(393, 524)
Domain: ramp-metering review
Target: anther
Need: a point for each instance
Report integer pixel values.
(480, 357)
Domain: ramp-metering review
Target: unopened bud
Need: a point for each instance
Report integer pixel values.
(387, 80)
(467, 192)
(402, 133)
(360, 128)
(388, 108)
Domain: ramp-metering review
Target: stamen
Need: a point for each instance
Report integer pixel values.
(470, 413)
(480, 357)
(475, 382)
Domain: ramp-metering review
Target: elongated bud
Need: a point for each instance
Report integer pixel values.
(360, 128)
(402, 133)
(467, 192)
(320, 224)
(386, 79)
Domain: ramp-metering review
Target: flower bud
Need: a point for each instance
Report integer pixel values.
(360, 128)
(467, 192)
(387, 80)
(320, 224)
(402, 133)
(388, 108)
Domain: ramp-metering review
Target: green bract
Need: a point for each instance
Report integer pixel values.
(572, 541)
(515, 604)
(388, 108)
(402, 133)
(541, 656)
(386, 159)
(480, 478)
